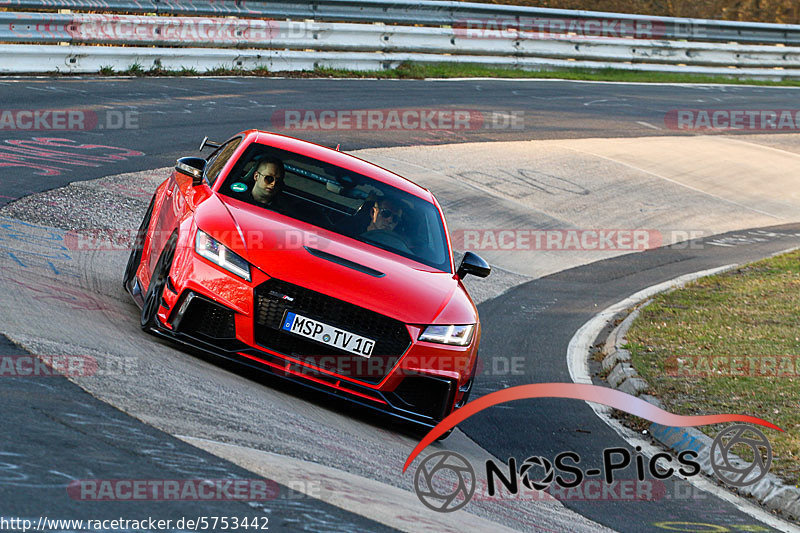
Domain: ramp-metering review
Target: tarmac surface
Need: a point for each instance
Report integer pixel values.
(584, 162)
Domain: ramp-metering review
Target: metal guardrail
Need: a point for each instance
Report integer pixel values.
(329, 37)
(319, 42)
(19, 59)
(438, 13)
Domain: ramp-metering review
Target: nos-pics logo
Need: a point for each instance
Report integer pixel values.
(445, 481)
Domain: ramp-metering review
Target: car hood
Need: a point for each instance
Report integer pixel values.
(326, 262)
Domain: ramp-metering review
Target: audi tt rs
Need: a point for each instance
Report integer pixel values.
(314, 265)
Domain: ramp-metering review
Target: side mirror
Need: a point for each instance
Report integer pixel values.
(192, 167)
(473, 264)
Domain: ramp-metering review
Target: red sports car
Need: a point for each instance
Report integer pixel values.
(314, 265)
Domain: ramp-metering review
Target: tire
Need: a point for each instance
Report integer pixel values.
(155, 291)
(445, 434)
(420, 432)
(135, 259)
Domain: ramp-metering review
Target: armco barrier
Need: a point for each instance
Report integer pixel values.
(432, 13)
(322, 43)
(19, 59)
(296, 35)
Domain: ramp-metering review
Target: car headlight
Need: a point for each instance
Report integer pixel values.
(213, 250)
(456, 335)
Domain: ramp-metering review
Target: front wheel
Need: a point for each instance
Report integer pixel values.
(155, 291)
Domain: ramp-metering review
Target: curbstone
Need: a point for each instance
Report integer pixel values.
(620, 373)
(653, 400)
(617, 356)
(634, 386)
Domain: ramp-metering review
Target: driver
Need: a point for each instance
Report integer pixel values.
(385, 216)
(269, 180)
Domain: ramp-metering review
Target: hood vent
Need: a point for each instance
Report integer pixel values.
(344, 262)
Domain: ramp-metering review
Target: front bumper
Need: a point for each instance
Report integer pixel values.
(418, 382)
(419, 398)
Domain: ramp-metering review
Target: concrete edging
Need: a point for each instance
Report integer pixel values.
(771, 491)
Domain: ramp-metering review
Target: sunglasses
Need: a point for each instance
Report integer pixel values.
(386, 213)
(269, 179)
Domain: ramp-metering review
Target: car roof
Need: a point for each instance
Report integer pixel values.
(340, 159)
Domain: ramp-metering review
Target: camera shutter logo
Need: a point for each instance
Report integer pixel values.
(740, 473)
(445, 481)
(547, 477)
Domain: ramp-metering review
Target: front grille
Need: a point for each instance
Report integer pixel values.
(274, 297)
(426, 395)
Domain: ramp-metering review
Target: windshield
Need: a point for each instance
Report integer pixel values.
(341, 201)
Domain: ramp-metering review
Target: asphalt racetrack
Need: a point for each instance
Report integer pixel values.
(545, 155)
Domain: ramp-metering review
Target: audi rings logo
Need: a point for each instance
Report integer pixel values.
(444, 481)
(735, 438)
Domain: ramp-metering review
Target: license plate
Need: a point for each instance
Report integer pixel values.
(327, 334)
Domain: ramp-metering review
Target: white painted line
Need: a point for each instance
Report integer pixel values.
(648, 125)
(577, 362)
(783, 152)
(640, 83)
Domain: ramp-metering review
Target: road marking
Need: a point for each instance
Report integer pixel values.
(639, 83)
(648, 125)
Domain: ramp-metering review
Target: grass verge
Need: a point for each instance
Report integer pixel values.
(420, 71)
(730, 343)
